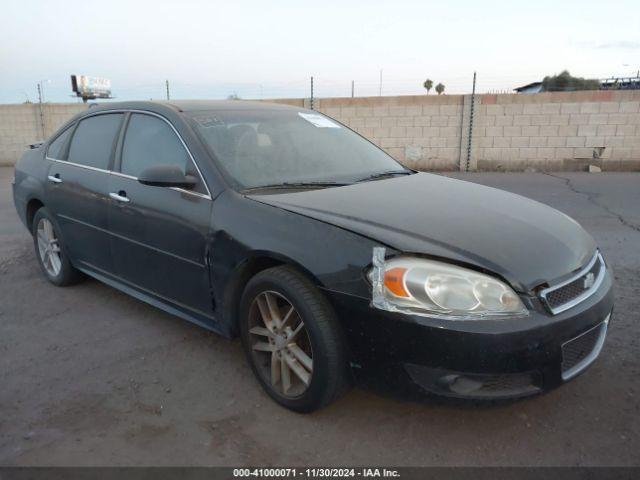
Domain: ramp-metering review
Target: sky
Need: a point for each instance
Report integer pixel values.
(270, 49)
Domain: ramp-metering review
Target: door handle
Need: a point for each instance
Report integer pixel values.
(121, 196)
(55, 178)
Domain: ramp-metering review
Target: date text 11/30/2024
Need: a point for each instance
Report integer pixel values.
(315, 473)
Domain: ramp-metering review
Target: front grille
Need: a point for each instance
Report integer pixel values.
(586, 282)
(579, 352)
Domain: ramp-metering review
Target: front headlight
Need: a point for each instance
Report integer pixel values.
(425, 287)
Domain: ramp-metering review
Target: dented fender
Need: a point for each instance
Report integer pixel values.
(245, 231)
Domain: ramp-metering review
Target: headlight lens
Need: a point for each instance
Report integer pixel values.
(436, 289)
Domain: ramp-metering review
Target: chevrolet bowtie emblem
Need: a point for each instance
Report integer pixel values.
(589, 280)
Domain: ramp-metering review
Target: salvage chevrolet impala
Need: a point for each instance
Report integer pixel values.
(323, 254)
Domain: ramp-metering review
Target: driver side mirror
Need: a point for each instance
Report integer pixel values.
(166, 176)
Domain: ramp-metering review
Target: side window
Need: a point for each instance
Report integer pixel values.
(94, 140)
(56, 148)
(151, 141)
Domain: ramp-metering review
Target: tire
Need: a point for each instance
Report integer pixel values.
(320, 336)
(65, 273)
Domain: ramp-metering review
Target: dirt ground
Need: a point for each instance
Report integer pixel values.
(90, 376)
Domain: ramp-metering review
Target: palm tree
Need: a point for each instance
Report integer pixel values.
(428, 84)
(440, 88)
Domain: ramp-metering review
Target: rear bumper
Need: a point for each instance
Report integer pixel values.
(479, 359)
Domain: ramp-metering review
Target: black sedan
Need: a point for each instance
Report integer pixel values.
(327, 257)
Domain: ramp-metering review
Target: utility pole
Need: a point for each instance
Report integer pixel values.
(311, 93)
(40, 108)
(473, 98)
(166, 82)
(352, 88)
(380, 82)
(41, 91)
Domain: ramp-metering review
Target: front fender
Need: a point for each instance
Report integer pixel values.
(245, 231)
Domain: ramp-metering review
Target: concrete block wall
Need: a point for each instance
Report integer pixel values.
(543, 131)
(558, 131)
(512, 132)
(421, 131)
(21, 125)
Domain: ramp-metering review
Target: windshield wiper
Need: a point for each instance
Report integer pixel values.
(286, 185)
(390, 173)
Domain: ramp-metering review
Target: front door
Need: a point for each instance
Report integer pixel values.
(159, 234)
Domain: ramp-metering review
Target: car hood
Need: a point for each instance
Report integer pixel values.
(524, 241)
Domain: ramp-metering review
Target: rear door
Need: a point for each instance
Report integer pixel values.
(160, 234)
(78, 188)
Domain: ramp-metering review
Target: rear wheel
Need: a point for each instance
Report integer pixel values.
(293, 340)
(50, 252)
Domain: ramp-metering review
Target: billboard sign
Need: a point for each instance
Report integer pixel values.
(91, 87)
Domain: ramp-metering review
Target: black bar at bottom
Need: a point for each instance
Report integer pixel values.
(405, 473)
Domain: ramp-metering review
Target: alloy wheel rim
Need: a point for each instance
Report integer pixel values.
(49, 247)
(280, 344)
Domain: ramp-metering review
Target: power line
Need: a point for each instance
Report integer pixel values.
(323, 86)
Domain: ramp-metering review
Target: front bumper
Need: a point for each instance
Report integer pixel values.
(503, 358)
(577, 355)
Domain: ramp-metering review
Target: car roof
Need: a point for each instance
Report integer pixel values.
(195, 105)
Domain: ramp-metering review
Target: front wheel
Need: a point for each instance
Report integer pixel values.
(293, 340)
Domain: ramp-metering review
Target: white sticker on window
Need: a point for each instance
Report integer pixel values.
(318, 120)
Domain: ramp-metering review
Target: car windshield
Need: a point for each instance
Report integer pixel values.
(263, 147)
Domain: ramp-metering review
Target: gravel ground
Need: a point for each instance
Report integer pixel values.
(90, 376)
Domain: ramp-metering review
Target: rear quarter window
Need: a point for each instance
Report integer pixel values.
(56, 148)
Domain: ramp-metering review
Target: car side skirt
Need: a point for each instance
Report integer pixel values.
(208, 322)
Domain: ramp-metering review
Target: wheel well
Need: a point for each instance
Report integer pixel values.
(32, 207)
(233, 293)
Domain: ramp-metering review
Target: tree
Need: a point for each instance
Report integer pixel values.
(428, 84)
(440, 88)
(565, 82)
(233, 96)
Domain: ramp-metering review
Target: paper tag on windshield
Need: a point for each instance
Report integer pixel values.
(318, 120)
(208, 121)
